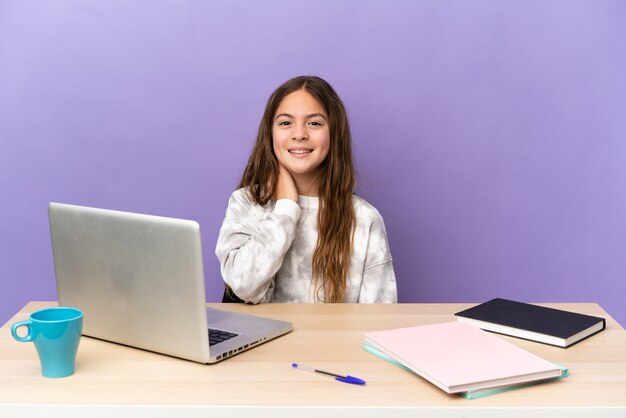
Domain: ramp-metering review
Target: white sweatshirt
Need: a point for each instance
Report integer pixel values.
(266, 252)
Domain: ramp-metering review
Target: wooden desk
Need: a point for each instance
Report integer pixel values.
(113, 380)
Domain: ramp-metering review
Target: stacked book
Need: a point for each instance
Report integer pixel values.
(461, 359)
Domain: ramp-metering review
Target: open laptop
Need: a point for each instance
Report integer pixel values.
(139, 281)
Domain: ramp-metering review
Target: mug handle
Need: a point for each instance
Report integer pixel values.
(28, 337)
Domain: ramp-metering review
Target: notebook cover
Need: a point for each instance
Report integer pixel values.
(540, 319)
(456, 356)
(470, 394)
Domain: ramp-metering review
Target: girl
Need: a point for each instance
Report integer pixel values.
(294, 231)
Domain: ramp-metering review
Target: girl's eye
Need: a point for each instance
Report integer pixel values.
(284, 123)
(315, 123)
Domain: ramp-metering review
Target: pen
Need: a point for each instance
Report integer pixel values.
(345, 379)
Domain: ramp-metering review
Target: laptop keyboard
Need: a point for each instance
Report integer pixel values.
(216, 336)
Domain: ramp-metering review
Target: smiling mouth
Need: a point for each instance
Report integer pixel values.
(300, 151)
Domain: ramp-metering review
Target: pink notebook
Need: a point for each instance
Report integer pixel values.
(459, 357)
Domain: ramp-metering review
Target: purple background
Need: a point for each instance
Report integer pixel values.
(491, 135)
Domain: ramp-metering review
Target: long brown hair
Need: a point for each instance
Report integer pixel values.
(336, 219)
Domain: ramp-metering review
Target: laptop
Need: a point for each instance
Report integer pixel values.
(139, 281)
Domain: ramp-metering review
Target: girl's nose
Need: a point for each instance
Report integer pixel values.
(299, 133)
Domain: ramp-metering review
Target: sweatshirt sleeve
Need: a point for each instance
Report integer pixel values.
(379, 278)
(252, 244)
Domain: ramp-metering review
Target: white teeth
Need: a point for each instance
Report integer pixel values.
(300, 151)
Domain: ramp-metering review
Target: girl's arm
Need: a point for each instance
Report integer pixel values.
(379, 279)
(379, 284)
(252, 244)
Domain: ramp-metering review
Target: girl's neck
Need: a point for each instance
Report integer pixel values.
(306, 185)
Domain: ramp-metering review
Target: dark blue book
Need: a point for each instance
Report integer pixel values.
(532, 322)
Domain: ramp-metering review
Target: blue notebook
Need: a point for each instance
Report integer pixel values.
(532, 322)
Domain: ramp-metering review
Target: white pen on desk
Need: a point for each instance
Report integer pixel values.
(345, 379)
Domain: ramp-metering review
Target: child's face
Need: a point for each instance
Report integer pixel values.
(301, 134)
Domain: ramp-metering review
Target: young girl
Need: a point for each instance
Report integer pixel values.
(294, 231)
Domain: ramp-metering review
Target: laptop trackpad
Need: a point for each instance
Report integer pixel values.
(215, 315)
(242, 324)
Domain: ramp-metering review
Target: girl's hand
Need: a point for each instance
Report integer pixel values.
(285, 187)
